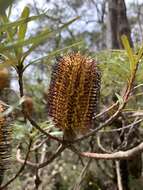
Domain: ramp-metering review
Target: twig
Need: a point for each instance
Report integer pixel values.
(100, 145)
(113, 106)
(20, 170)
(113, 156)
(122, 128)
(33, 123)
(82, 175)
(120, 108)
(127, 135)
(59, 150)
(26, 115)
(37, 180)
(39, 145)
(119, 180)
(19, 159)
(138, 86)
(107, 122)
(105, 169)
(43, 155)
(85, 168)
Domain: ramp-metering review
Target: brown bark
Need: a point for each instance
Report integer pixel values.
(123, 24)
(113, 19)
(119, 24)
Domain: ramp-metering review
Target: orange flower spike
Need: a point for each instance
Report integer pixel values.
(74, 93)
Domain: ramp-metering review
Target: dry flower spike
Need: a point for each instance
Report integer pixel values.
(74, 93)
(5, 140)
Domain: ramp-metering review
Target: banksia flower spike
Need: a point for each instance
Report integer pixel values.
(74, 93)
(5, 140)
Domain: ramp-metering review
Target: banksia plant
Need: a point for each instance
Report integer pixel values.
(5, 141)
(74, 94)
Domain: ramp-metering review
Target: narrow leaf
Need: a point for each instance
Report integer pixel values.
(21, 21)
(23, 27)
(120, 99)
(129, 51)
(53, 53)
(140, 54)
(36, 39)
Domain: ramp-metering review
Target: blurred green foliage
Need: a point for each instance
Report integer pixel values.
(4, 5)
(16, 48)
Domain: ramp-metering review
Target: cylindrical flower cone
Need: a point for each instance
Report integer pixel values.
(74, 94)
(5, 141)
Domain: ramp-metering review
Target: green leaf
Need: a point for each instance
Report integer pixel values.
(57, 133)
(23, 27)
(140, 54)
(129, 50)
(20, 131)
(9, 11)
(120, 99)
(21, 21)
(53, 53)
(5, 20)
(12, 107)
(4, 5)
(36, 40)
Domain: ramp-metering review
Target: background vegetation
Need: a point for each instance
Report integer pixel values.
(32, 35)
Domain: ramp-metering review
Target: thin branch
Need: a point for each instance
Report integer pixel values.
(26, 115)
(102, 125)
(82, 175)
(113, 156)
(119, 180)
(37, 179)
(113, 106)
(105, 169)
(120, 108)
(20, 170)
(20, 160)
(35, 147)
(122, 128)
(34, 124)
(100, 145)
(43, 156)
(59, 150)
(138, 86)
